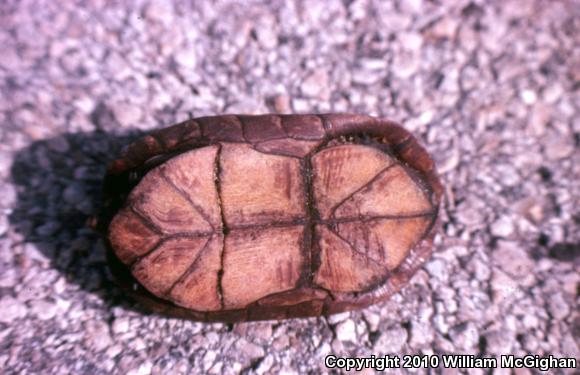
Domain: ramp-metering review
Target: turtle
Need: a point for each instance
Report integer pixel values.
(254, 217)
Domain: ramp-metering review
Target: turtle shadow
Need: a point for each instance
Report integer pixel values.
(58, 182)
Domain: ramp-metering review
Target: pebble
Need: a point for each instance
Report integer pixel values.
(98, 337)
(7, 196)
(558, 307)
(464, 335)
(346, 331)
(504, 257)
(437, 268)
(251, 350)
(3, 224)
(316, 85)
(282, 104)
(128, 115)
(500, 342)
(12, 310)
(74, 194)
(186, 58)
(391, 341)
(529, 97)
(120, 325)
(44, 309)
(143, 369)
(559, 147)
(502, 227)
(422, 334)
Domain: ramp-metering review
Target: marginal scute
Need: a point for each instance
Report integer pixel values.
(258, 188)
(393, 193)
(221, 128)
(288, 147)
(130, 237)
(305, 127)
(193, 173)
(262, 128)
(198, 288)
(342, 269)
(387, 241)
(178, 134)
(160, 269)
(156, 199)
(334, 173)
(260, 262)
(293, 297)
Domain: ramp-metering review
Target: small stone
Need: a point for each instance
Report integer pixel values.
(443, 29)
(405, 64)
(421, 334)
(503, 227)
(300, 105)
(44, 309)
(513, 259)
(160, 11)
(503, 286)
(251, 350)
(530, 343)
(412, 6)
(128, 115)
(5, 163)
(12, 310)
(209, 359)
(282, 104)
(558, 306)
(337, 318)
(391, 341)
(3, 224)
(120, 325)
(48, 229)
(465, 335)
(529, 97)
(346, 331)
(437, 268)
(98, 337)
(59, 144)
(7, 196)
(316, 85)
(499, 342)
(265, 365)
(281, 343)
(186, 58)
(74, 194)
(143, 369)
(266, 35)
(8, 278)
(372, 319)
(559, 147)
(553, 93)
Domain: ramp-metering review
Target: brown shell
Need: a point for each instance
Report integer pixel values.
(236, 218)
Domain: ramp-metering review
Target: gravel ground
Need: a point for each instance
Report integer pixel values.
(491, 88)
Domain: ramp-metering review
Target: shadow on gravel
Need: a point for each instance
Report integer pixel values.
(59, 187)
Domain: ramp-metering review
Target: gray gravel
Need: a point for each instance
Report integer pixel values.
(491, 88)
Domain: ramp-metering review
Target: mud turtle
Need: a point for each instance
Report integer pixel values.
(235, 218)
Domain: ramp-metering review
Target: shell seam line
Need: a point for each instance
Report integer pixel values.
(183, 194)
(309, 227)
(361, 188)
(189, 270)
(225, 230)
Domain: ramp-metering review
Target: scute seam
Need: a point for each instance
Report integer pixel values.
(186, 197)
(225, 229)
